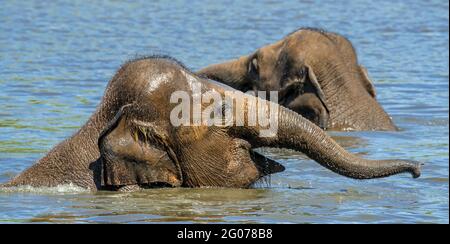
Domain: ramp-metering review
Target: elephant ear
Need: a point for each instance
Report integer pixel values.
(367, 83)
(129, 158)
(317, 89)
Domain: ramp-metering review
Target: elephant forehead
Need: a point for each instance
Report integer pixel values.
(307, 41)
(156, 80)
(269, 53)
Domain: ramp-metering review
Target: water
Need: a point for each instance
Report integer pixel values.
(56, 59)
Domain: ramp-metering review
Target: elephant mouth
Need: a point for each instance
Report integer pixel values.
(265, 165)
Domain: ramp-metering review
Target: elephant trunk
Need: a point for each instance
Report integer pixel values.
(231, 73)
(297, 133)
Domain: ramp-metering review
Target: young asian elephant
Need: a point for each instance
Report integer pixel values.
(317, 75)
(131, 140)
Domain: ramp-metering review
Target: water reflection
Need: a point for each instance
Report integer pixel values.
(163, 205)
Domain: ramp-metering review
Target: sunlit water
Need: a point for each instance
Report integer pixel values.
(56, 59)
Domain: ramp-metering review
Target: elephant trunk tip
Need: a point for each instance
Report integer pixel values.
(388, 168)
(406, 166)
(416, 168)
(412, 167)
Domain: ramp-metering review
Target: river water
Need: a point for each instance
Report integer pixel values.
(56, 59)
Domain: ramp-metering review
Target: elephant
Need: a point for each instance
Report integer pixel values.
(317, 75)
(131, 141)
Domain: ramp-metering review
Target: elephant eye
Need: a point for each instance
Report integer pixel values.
(253, 67)
(302, 73)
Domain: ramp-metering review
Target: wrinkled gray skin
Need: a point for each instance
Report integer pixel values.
(317, 75)
(139, 147)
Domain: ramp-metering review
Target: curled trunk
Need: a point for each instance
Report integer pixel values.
(232, 73)
(297, 133)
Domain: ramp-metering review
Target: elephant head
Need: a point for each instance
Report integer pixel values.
(142, 145)
(317, 75)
